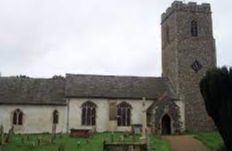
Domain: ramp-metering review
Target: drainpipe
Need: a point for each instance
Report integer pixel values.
(144, 117)
(67, 126)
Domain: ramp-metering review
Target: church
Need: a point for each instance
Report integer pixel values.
(168, 104)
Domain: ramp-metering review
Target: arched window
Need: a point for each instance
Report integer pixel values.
(17, 117)
(88, 117)
(194, 28)
(55, 117)
(124, 114)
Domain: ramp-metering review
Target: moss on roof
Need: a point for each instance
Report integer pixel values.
(117, 87)
(24, 90)
(53, 91)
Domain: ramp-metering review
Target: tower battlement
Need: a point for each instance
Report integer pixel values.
(188, 51)
(187, 7)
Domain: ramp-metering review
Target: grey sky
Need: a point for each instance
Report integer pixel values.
(40, 38)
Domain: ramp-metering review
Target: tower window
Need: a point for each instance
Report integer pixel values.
(124, 114)
(194, 28)
(88, 114)
(18, 117)
(55, 117)
(167, 34)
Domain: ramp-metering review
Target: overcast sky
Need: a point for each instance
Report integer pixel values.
(41, 38)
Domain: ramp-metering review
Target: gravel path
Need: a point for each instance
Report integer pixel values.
(185, 143)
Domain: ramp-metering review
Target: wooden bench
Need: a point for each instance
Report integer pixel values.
(81, 132)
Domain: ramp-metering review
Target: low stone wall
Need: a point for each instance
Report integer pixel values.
(125, 147)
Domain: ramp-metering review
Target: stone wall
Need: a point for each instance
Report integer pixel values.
(190, 7)
(102, 119)
(36, 118)
(168, 107)
(181, 50)
(125, 147)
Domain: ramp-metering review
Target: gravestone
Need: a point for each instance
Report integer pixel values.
(10, 134)
(61, 147)
(53, 133)
(78, 145)
(2, 134)
(124, 147)
(137, 128)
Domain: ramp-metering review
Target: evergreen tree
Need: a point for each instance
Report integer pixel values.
(216, 89)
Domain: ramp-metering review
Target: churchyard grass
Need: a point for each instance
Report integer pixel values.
(93, 143)
(211, 139)
(157, 144)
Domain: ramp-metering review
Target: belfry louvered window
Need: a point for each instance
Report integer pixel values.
(17, 117)
(88, 117)
(124, 114)
(194, 28)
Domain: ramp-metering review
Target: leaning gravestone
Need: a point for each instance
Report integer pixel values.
(10, 134)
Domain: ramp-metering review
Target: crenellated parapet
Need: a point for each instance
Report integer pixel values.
(187, 7)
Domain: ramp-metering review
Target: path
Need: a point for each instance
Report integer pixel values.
(185, 143)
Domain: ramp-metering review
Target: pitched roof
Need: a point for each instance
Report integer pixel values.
(24, 90)
(117, 87)
(34, 91)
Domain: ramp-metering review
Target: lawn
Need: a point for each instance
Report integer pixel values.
(93, 143)
(157, 144)
(211, 139)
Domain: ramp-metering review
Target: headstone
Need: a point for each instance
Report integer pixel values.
(133, 137)
(33, 144)
(61, 135)
(148, 143)
(28, 138)
(61, 147)
(1, 134)
(78, 145)
(53, 132)
(112, 137)
(122, 138)
(54, 129)
(10, 134)
(87, 141)
(137, 128)
(38, 141)
(22, 140)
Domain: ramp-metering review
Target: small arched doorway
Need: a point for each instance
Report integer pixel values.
(166, 125)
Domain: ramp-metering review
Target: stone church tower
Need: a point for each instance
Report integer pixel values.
(188, 50)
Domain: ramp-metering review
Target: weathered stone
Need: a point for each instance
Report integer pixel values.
(179, 51)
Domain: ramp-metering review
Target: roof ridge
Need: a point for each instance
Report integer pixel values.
(28, 78)
(116, 76)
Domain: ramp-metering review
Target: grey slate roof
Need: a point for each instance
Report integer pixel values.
(53, 91)
(24, 90)
(117, 87)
